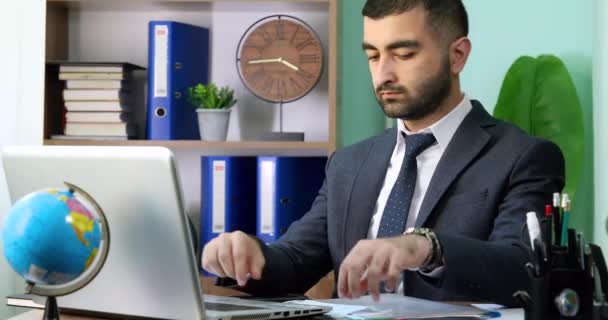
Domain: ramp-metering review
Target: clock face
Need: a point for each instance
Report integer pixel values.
(280, 59)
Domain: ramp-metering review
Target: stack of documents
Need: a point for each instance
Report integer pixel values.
(98, 101)
(396, 306)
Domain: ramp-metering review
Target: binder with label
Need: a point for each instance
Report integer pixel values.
(228, 195)
(178, 57)
(287, 187)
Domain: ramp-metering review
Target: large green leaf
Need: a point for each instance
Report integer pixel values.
(539, 96)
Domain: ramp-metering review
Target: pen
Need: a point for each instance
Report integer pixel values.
(556, 218)
(541, 255)
(572, 247)
(547, 226)
(580, 240)
(565, 219)
(533, 227)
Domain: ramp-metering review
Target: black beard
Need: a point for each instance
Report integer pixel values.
(432, 93)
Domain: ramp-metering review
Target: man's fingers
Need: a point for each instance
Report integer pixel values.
(395, 267)
(241, 262)
(343, 291)
(363, 285)
(352, 268)
(256, 264)
(354, 279)
(205, 257)
(235, 255)
(225, 255)
(373, 282)
(210, 261)
(393, 276)
(376, 272)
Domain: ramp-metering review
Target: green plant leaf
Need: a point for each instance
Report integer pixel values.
(226, 96)
(210, 97)
(539, 96)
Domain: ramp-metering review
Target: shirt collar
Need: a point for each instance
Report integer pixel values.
(444, 129)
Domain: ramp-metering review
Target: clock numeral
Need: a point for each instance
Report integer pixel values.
(295, 84)
(293, 36)
(307, 77)
(267, 37)
(280, 30)
(268, 84)
(305, 43)
(282, 89)
(309, 58)
(250, 46)
(257, 76)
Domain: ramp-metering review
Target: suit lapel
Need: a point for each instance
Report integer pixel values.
(467, 142)
(366, 189)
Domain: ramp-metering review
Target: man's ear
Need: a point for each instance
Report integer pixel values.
(459, 54)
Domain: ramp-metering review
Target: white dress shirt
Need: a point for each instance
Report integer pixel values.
(443, 130)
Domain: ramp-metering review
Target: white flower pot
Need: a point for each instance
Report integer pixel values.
(213, 123)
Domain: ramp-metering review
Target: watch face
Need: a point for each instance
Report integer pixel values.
(280, 59)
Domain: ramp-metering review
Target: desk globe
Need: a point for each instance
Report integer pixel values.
(54, 242)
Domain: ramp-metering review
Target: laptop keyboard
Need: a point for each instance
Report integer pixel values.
(216, 306)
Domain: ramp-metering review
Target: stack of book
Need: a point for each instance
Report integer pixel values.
(99, 103)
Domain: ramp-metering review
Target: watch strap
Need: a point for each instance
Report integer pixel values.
(435, 258)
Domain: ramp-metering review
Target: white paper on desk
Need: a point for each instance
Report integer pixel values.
(488, 306)
(337, 310)
(397, 306)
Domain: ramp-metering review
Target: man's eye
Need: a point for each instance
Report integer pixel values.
(406, 56)
(373, 58)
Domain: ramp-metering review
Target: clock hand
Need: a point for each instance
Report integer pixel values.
(264, 61)
(279, 60)
(287, 63)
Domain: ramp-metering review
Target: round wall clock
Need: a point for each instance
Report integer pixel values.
(280, 58)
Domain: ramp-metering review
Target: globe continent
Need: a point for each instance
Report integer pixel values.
(50, 238)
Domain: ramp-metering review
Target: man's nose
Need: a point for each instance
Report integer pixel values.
(386, 71)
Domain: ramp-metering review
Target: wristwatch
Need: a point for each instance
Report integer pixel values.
(435, 259)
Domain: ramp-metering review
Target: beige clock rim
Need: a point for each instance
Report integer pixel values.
(270, 18)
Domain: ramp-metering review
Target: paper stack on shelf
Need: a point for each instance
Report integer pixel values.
(99, 101)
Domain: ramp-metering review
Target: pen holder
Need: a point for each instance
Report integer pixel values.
(563, 291)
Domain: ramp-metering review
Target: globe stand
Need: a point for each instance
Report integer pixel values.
(51, 291)
(281, 135)
(51, 311)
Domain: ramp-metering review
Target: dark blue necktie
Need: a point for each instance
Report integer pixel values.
(397, 206)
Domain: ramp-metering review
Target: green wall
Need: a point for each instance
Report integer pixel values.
(501, 31)
(359, 115)
(600, 118)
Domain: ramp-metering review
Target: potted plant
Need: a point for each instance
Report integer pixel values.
(213, 106)
(539, 96)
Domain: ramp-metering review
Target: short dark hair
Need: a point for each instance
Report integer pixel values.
(447, 18)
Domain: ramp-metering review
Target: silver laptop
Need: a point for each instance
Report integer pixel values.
(150, 270)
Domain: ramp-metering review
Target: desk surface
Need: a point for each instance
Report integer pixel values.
(507, 314)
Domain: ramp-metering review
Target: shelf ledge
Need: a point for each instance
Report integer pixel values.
(214, 147)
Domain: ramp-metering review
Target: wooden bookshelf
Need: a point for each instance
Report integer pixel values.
(65, 41)
(224, 147)
(179, 1)
(62, 45)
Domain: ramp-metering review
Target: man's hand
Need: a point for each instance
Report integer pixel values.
(372, 261)
(235, 255)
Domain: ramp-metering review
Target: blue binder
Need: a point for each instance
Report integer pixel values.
(287, 187)
(178, 57)
(228, 196)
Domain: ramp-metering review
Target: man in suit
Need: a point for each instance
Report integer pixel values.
(461, 179)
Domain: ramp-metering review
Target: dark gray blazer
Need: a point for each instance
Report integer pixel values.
(489, 176)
